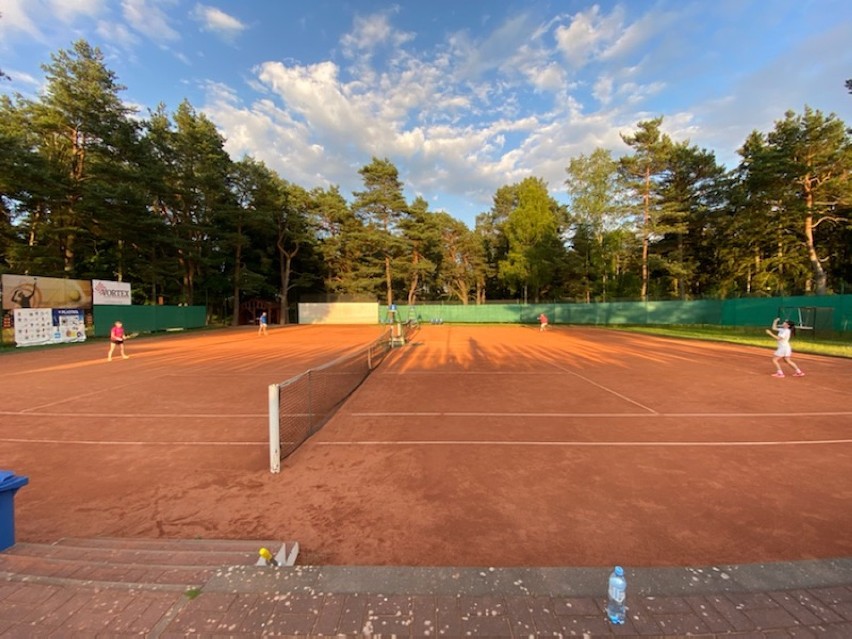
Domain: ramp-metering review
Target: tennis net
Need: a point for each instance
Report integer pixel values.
(301, 405)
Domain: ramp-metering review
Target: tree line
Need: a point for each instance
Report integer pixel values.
(89, 189)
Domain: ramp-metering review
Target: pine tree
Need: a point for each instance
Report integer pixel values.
(643, 170)
(381, 206)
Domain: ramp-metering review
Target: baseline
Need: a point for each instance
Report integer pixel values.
(94, 442)
(593, 415)
(621, 444)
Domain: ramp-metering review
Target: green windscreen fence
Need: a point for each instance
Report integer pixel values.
(829, 312)
(148, 319)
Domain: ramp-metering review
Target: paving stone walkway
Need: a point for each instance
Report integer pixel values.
(785, 600)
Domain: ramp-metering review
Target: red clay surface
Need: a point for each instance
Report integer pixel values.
(471, 446)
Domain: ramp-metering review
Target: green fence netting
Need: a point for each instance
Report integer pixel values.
(836, 311)
(148, 319)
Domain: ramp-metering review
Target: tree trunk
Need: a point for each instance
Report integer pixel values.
(820, 279)
(415, 282)
(235, 316)
(412, 293)
(235, 319)
(187, 280)
(285, 269)
(388, 281)
(188, 287)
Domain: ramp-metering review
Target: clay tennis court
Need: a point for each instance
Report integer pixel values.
(470, 446)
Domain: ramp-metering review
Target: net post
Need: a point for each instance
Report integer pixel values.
(274, 430)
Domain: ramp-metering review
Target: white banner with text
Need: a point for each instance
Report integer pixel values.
(36, 326)
(110, 293)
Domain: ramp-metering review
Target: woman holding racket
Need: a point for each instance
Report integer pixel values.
(116, 337)
(784, 350)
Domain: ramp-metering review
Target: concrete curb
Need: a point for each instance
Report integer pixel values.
(569, 582)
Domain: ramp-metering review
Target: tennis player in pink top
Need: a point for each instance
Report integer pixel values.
(116, 337)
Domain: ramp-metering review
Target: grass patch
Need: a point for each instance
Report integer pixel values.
(804, 342)
(192, 593)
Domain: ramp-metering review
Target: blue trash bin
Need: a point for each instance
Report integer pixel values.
(9, 484)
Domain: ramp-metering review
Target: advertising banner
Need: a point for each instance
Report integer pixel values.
(105, 292)
(26, 291)
(34, 326)
(69, 325)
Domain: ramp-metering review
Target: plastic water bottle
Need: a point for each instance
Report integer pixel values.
(616, 596)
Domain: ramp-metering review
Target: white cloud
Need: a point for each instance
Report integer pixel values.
(325, 126)
(146, 17)
(634, 93)
(35, 18)
(603, 89)
(14, 17)
(757, 99)
(448, 131)
(477, 113)
(116, 33)
(182, 57)
(476, 58)
(588, 34)
(270, 134)
(458, 122)
(367, 33)
(371, 32)
(217, 21)
(645, 29)
(315, 94)
(21, 81)
(681, 127)
(69, 11)
(550, 77)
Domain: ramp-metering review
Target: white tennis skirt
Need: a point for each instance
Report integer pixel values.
(783, 350)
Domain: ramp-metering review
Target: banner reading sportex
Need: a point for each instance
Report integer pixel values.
(110, 293)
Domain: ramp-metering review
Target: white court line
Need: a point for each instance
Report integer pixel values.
(557, 370)
(597, 415)
(90, 442)
(136, 415)
(608, 390)
(64, 400)
(815, 442)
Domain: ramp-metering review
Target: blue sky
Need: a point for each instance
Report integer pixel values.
(463, 96)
